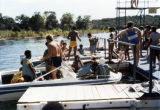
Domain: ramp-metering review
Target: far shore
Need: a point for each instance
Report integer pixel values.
(23, 34)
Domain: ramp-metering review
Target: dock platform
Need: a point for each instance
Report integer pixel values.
(143, 68)
(108, 96)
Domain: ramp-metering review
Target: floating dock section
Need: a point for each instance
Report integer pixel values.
(109, 96)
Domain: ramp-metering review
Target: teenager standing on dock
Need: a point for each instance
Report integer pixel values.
(54, 55)
(73, 34)
(112, 36)
(154, 40)
(92, 44)
(132, 33)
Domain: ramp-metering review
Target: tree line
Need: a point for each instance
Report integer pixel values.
(111, 22)
(47, 21)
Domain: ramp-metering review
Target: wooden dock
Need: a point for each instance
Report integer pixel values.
(143, 67)
(108, 96)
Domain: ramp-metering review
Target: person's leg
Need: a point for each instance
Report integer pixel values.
(137, 53)
(137, 3)
(127, 50)
(132, 3)
(75, 51)
(70, 48)
(54, 73)
(111, 51)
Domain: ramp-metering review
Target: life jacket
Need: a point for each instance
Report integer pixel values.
(18, 77)
(104, 71)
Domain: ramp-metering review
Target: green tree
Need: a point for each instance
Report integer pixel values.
(8, 23)
(86, 22)
(51, 20)
(66, 21)
(36, 22)
(79, 23)
(23, 21)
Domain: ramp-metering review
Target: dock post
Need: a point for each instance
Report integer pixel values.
(150, 72)
(109, 56)
(105, 48)
(134, 64)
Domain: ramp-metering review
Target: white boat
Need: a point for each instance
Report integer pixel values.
(14, 91)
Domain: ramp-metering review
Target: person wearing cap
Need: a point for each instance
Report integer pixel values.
(54, 55)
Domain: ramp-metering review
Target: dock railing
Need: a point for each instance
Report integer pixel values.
(134, 54)
(151, 68)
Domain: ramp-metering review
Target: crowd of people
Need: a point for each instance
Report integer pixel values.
(141, 37)
(55, 52)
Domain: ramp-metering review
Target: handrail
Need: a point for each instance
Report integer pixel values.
(121, 42)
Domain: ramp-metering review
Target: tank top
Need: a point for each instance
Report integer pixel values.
(26, 69)
(132, 36)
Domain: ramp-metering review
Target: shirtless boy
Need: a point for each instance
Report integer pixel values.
(73, 34)
(54, 55)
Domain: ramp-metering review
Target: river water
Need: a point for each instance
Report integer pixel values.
(10, 50)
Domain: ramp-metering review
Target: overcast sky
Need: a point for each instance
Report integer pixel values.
(97, 9)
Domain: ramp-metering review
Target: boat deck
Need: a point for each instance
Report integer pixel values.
(93, 96)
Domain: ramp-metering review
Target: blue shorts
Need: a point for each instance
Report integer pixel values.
(93, 48)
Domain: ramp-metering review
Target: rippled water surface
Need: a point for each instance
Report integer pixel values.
(10, 50)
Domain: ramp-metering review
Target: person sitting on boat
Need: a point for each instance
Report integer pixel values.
(77, 64)
(81, 50)
(61, 43)
(54, 55)
(89, 71)
(65, 50)
(27, 67)
(95, 69)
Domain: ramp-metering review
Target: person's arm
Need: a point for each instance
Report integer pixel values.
(111, 69)
(31, 67)
(68, 36)
(49, 54)
(78, 36)
(81, 63)
(138, 31)
(120, 34)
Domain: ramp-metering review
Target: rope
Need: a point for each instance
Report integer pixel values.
(47, 73)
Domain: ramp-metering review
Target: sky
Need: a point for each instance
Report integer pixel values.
(97, 9)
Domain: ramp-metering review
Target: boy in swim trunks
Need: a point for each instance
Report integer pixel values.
(54, 55)
(73, 34)
(92, 44)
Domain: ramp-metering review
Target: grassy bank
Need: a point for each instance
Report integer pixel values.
(5, 34)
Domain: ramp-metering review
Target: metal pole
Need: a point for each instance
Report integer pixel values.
(105, 48)
(134, 64)
(150, 72)
(109, 50)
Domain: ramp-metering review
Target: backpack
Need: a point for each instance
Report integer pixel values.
(104, 71)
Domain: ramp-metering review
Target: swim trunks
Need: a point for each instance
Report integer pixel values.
(55, 61)
(73, 43)
(93, 48)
